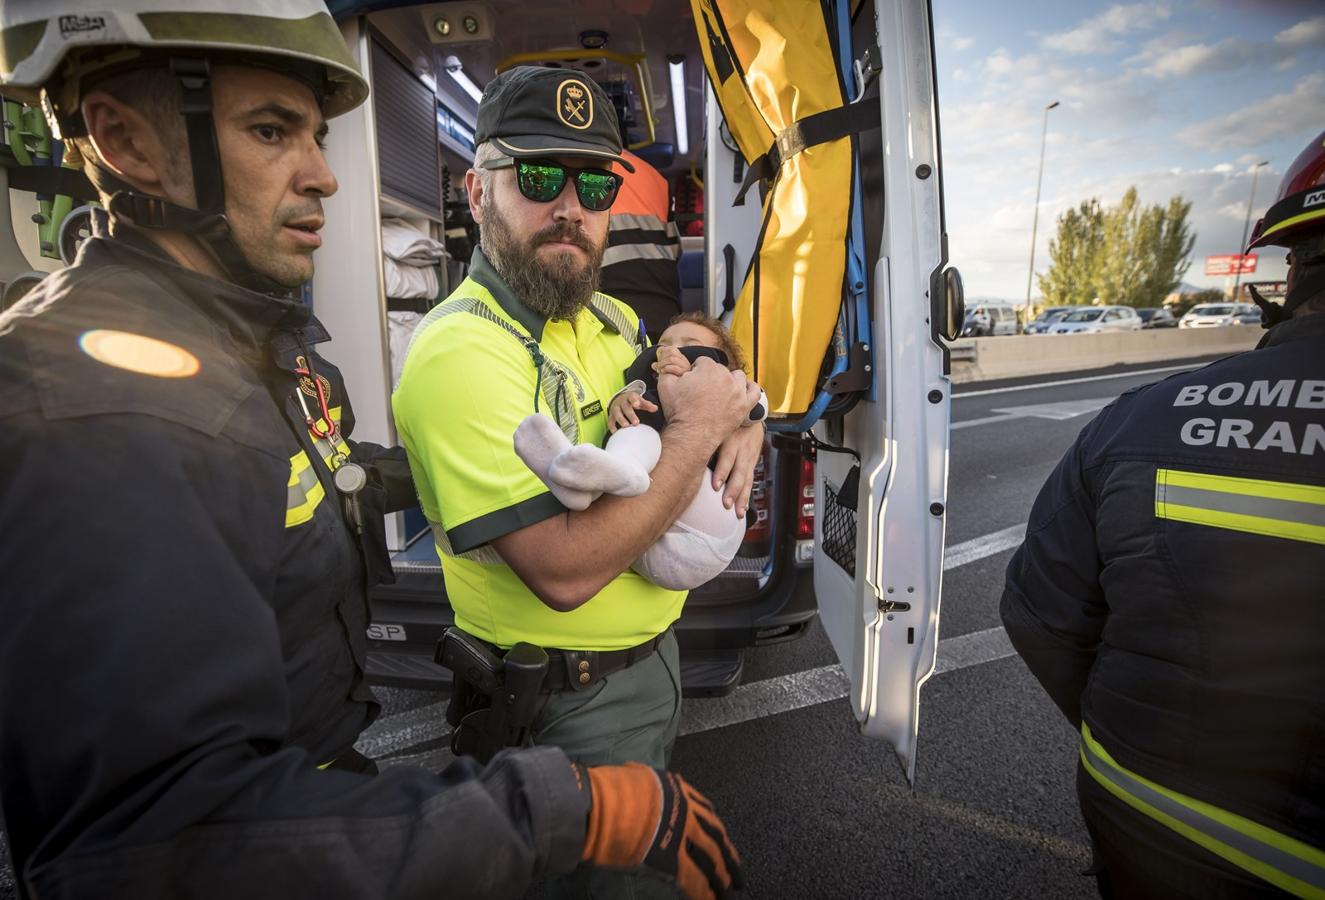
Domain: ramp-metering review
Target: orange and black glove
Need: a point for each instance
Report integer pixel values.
(640, 816)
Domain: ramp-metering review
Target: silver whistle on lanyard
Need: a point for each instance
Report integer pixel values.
(350, 478)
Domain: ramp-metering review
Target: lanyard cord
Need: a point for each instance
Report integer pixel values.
(307, 371)
(535, 354)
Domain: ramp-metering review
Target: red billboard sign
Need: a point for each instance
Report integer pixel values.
(1231, 264)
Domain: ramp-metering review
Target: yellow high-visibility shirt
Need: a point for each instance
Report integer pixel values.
(467, 383)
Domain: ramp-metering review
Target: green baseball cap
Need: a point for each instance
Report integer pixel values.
(530, 111)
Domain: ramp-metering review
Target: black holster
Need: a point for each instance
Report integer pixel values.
(494, 699)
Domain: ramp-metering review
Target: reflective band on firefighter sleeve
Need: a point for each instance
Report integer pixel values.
(303, 491)
(1283, 861)
(326, 449)
(1276, 508)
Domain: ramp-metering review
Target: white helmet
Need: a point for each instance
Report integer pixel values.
(53, 46)
(51, 49)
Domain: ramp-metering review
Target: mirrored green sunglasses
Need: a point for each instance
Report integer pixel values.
(541, 180)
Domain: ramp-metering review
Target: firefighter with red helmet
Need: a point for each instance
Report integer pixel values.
(1168, 597)
(1296, 220)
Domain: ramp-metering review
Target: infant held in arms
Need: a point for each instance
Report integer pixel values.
(703, 541)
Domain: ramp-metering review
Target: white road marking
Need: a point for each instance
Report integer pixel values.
(986, 545)
(787, 693)
(1059, 411)
(401, 731)
(1046, 384)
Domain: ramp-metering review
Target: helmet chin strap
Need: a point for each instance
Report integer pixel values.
(1307, 283)
(207, 223)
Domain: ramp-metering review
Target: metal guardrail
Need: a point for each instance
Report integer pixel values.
(962, 351)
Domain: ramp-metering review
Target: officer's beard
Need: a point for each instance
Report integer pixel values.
(555, 285)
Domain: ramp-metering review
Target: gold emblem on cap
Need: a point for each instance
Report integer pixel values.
(139, 353)
(574, 104)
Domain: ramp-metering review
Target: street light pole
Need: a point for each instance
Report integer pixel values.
(1242, 247)
(1035, 221)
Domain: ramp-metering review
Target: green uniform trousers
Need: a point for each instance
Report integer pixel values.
(629, 716)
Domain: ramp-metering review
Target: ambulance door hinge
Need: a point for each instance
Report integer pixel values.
(858, 373)
(867, 68)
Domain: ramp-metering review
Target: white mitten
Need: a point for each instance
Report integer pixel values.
(622, 468)
(539, 441)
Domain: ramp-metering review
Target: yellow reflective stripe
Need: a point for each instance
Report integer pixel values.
(303, 491)
(1275, 508)
(325, 449)
(1263, 851)
(1293, 220)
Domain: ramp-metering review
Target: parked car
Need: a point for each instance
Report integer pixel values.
(1214, 315)
(1156, 317)
(1096, 319)
(989, 319)
(1048, 317)
(1251, 315)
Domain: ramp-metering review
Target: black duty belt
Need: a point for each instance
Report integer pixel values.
(576, 670)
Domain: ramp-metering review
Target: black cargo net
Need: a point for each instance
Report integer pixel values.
(839, 530)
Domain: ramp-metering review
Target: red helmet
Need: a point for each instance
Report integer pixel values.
(1299, 207)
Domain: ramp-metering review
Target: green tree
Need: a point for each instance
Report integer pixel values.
(1128, 254)
(1074, 256)
(1170, 249)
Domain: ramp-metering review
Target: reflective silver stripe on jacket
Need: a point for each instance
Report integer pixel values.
(1283, 861)
(624, 252)
(1279, 509)
(484, 554)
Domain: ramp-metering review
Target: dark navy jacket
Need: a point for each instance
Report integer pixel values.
(1171, 589)
(182, 618)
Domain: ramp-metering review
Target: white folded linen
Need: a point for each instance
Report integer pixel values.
(409, 282)
(406, 244)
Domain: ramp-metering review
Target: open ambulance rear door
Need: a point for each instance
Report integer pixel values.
(882, 614)
(843, 307)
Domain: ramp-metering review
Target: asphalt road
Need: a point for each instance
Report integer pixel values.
(820, 812)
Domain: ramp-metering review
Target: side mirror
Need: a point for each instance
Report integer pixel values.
(954, 303)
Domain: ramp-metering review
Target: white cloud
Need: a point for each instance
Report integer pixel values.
(1258, 122)
(1167, 58)
(1180, 62)
(1307, 33)
(1098, 34)
(960, 43)
(1224, 167)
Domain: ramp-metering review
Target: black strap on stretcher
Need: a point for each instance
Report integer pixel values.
(48, 179)
(819, 128)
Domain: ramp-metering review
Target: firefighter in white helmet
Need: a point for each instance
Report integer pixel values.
(190, 531)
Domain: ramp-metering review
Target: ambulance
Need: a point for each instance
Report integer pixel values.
(800, 142)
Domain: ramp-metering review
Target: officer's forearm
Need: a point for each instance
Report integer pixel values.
(568, 559)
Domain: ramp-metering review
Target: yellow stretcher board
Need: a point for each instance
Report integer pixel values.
(772, 65)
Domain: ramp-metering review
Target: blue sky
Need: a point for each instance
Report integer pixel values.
(1175, 97)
